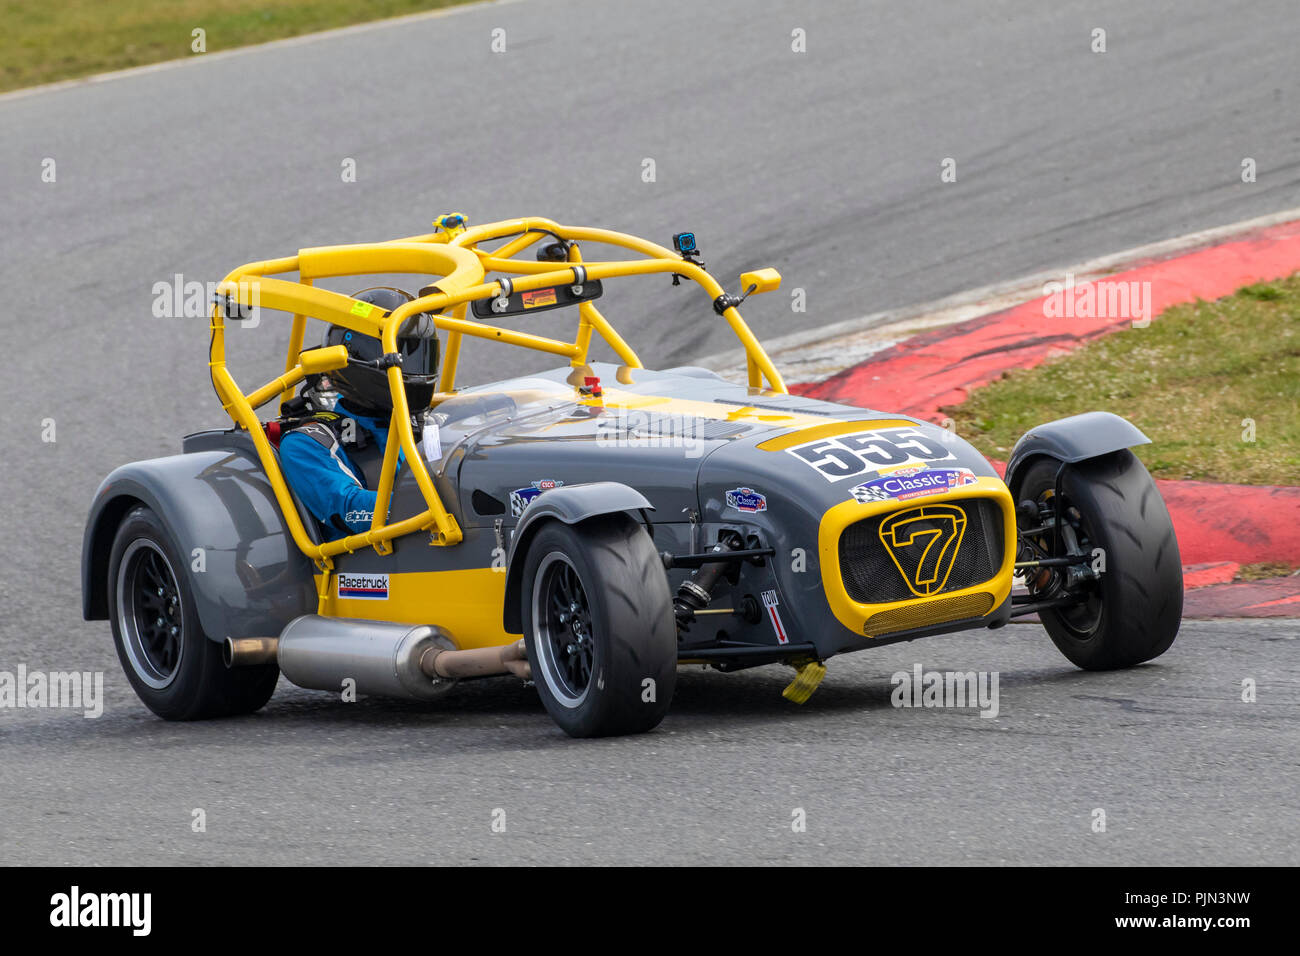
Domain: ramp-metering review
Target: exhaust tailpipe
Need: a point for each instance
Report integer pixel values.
(248, 651)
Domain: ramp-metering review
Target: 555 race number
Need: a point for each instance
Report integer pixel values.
(846, 456)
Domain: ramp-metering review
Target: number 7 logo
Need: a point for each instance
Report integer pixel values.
(923, 544)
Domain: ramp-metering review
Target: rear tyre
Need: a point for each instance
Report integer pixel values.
(174, 668)
(1132, 612)
(599, 627)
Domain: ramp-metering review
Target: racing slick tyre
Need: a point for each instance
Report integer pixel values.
(1132, 610)
(173, 666)
(599, 626)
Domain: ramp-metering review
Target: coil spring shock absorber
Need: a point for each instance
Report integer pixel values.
(695, 593)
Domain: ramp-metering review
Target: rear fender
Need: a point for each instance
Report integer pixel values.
(247, 575)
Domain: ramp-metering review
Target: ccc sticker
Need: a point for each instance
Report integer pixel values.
(923, 543)
(846, 456)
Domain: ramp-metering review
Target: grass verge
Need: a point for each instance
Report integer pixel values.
(1214, 385)
(1265, 570)
(43, 42)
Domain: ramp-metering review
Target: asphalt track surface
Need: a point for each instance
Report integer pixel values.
(825, 164)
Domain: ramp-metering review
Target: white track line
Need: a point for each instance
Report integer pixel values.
(304, 38)
(815, 354)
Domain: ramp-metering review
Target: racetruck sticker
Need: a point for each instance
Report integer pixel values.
(770, 602)
(869, 452)
(367, 587)
(912, 483)
(747, 500)
(521, 498)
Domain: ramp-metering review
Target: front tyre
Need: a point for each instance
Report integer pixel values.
(174, 668)
(599, 627)
(1132, 611)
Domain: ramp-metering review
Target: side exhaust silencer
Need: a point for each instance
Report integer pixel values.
(385, 660)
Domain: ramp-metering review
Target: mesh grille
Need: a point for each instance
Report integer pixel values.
(940, 548)
(931, 612)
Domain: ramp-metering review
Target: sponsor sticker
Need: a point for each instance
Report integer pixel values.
(366, 587)
(746, 500)
(521, 498)
(431, 441)
(362, 309)
(770, 601)
(912, 483)
(537, 297)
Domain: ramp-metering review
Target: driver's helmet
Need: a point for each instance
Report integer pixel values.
(362, 386)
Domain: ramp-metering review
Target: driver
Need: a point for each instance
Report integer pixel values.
(313, 453)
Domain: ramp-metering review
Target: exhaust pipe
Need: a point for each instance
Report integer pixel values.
(383, 660)
(477, 662)
(248, 651)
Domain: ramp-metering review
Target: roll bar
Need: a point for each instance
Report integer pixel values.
(453, 255)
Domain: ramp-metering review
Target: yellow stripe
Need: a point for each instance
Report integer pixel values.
(466, 604)
(782, 442)
(617, 398)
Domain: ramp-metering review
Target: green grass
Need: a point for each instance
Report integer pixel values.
(1265, 570)
(1188, 381)
(42, 41)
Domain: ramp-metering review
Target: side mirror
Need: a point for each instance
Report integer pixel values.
(323, 360)
(760, 280)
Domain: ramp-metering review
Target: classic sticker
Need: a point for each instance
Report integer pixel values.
(912, 483)
(366, 587)
(747, 500)
(869, 452)
(521, 498)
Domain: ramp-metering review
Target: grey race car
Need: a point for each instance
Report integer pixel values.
(593, 527)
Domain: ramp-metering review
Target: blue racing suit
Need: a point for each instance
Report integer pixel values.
(323, 476)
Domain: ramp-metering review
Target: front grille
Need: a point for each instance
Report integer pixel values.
(925, 550)
(930, 612)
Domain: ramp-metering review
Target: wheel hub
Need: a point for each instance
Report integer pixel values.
(150, 613)
(562, 616)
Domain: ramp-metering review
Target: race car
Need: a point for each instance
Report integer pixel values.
(591, 528)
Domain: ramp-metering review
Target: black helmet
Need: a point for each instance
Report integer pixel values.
(365, 387)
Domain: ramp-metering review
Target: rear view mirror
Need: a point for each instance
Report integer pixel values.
(760, 280)
(322, 360)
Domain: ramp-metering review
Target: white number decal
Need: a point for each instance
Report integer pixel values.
(847, 456)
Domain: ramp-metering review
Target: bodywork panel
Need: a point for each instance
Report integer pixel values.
(247, 576)
(701, 457)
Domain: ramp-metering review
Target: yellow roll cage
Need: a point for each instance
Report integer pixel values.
(453, 253)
